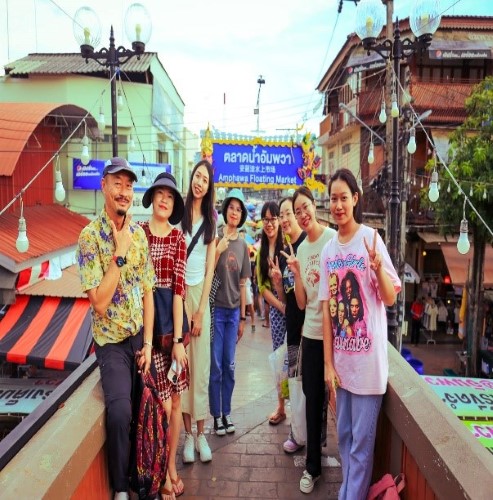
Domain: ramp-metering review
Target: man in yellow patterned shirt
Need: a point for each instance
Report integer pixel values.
(117, 274)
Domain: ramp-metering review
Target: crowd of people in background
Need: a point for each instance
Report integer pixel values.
(320, 291)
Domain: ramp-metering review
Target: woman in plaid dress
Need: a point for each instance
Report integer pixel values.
(169, 254)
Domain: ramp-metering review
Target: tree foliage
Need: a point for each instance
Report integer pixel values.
(471, 164)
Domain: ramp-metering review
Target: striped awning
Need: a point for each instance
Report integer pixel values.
(49, 332)
(32, 275)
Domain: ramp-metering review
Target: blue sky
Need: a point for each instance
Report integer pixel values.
(219, 47)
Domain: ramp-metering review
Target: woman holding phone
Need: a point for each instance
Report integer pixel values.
(168, 253)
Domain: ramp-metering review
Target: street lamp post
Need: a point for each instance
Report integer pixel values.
(87, 32)
(424, 21)
(256, 111)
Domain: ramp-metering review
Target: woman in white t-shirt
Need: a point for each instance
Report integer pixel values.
(305, 266)
(356, 366)
(198, 216)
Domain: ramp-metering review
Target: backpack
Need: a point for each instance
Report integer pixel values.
(151, 441)
(387, 488)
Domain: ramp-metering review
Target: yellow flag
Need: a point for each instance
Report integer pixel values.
(462, 314)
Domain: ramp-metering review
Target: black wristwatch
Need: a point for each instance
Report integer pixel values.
(120, 261)
(178, 340)
(242, 318)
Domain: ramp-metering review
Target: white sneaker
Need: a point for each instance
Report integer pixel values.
(121, 495)
(188, 450)
(307, 482)
(203, 448)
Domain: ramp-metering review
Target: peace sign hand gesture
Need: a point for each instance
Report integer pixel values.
(275, 271)
(375, 257)
(292, 261)
(223, 244)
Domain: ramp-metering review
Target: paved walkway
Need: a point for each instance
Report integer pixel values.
(251, 462)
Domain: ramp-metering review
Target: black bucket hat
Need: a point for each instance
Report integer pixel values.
(168, 181)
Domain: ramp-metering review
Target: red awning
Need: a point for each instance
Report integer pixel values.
(49, 332)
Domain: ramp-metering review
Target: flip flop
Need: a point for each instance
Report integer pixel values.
(276, 418)
(176, 482)
(163, 491)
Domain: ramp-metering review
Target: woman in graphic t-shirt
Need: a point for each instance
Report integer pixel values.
(356, 366)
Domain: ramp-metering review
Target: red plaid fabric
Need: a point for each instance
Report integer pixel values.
(169, 257)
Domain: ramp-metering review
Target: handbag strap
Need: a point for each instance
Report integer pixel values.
(195, 239)
(145, 227)
(400, 482)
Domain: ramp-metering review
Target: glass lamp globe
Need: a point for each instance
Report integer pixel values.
(382, 117)
(101, 121)
(425, 17)
(22, 243)
(371, 154)
(119, 101)
(87, 27)
(85, 157)
(463, 244)
(411, 145)
(394, 109)
(370, 18)
(138, 26)
(59, 189)
(433, 193)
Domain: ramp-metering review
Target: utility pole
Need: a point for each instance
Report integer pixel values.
(388, 125)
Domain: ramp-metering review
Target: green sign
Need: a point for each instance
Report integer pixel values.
(471, 399)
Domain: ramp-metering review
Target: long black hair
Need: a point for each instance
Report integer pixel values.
(344, 174)
(273, 208)
(206, 207)
(303, 190)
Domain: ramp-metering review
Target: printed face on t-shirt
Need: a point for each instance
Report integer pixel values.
(349, 288)
(333, 284)
(333, 308)
(354, 307)
(341, 312)
(232, 263)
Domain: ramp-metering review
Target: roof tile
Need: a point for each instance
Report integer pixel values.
(17, 123)
(43, 64)
(50, 228)
(66, 286)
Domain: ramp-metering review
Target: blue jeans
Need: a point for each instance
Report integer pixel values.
(357, 417)
(222, 377)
